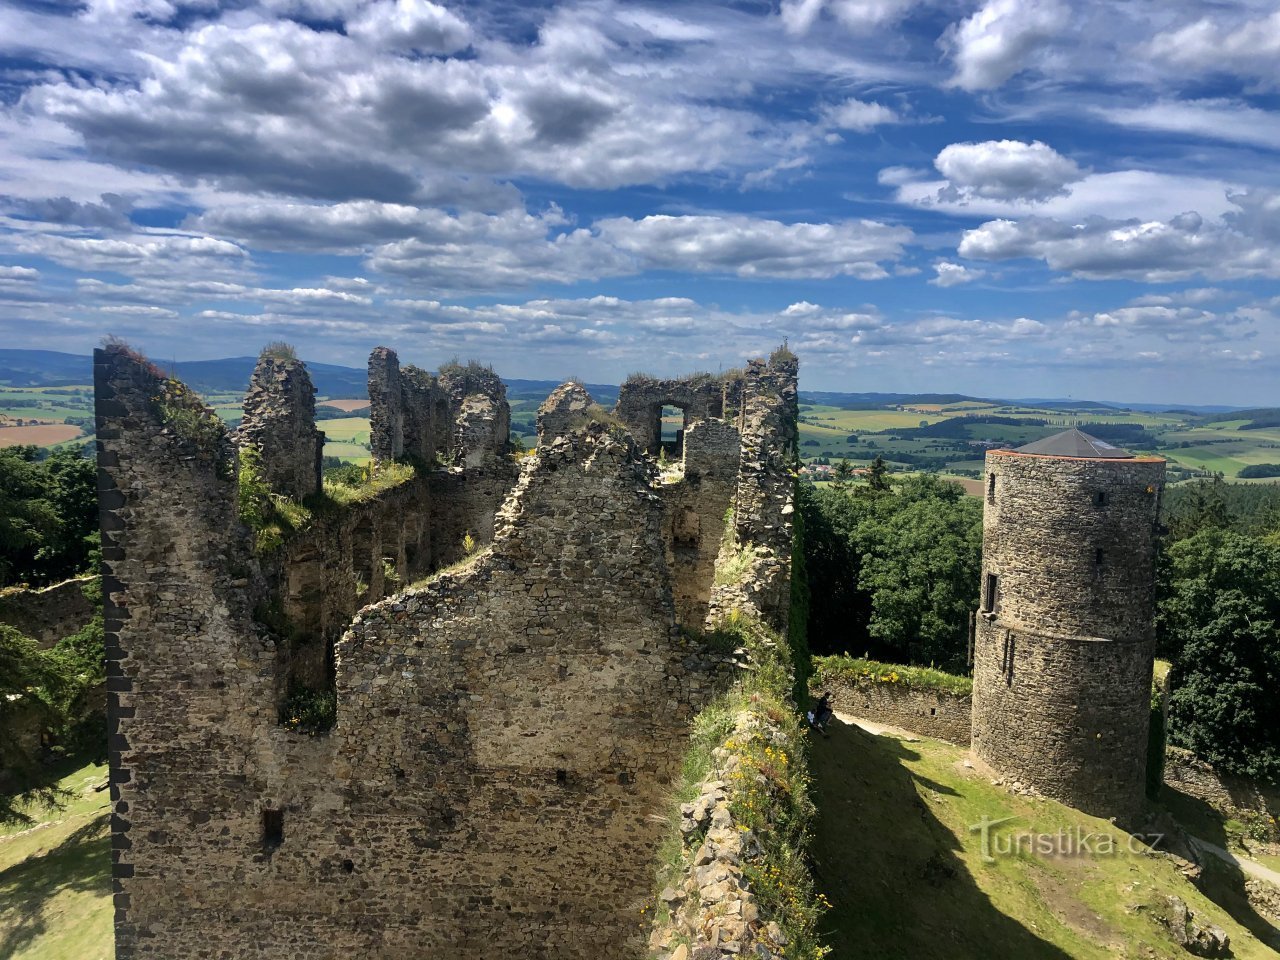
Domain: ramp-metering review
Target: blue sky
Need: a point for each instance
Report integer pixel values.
(1004, 198)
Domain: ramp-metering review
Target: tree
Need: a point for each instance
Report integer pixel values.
(877, 475)
(1219, 612)
(48, 515)
(31, 690)
(842, 475)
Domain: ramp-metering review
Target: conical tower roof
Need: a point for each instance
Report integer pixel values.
(1075, 443)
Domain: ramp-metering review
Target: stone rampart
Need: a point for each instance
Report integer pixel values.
(47, 614)
(940, 714)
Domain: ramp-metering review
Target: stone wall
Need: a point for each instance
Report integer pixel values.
(931, 713)
(565, 408)
(641, 399)
(1062, 664)
(763, 503)
(1235, 797)
(694, 515)
(280, 424)
(48, 614)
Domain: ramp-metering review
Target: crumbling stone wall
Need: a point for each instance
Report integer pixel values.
(761, 538)
(1062, 663)
(565, 408)
(940, 714)
(280, 424)
(641, 399)
(1235, 797)
(48, 614)
(694, 515)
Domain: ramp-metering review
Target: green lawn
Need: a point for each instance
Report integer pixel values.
(352, 452)
(908, 881)
(346, 429)
(55, 887)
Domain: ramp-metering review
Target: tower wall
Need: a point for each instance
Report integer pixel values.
(1063, 650)
(280, 423)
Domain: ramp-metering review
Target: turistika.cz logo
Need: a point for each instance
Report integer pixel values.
(1075, 841)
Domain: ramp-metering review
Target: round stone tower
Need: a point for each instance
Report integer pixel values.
(1064, 634)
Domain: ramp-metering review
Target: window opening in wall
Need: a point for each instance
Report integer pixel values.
(1099, 498)
(1098, 557)
(672, 422)
(272, 829)
(991, 488)
(992, 593)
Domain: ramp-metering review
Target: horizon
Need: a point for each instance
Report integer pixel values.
(1061, 199)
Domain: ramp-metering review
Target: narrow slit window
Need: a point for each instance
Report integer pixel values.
(992, 592)
(991, 488)
(272, 829)
(1099, 498)
(1099, 555)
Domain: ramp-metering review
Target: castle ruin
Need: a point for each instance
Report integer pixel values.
(512, 651)
(1065, 633)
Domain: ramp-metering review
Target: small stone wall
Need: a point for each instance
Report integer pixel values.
(931, 713)
(48, 614)
(641, 399)
(1237, 797)
(710, 909)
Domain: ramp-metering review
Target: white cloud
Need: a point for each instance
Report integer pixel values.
(798, 16)
(754, 247)
(1000, 39)
(410, 25)
(1216, 44)
(855, 114)
(140, 254)
(1006, 170)
(28, 274)
(949, 274)
(1217, 119)
(1244, 243)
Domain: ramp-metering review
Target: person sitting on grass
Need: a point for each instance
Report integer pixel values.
(821, 713)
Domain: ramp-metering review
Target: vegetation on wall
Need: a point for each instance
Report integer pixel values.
(846, 668)
(769, 789)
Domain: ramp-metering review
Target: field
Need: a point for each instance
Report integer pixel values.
(42, 436)
(55, 887)
(345, 405)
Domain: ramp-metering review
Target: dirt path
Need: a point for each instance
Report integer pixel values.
(1245, 865)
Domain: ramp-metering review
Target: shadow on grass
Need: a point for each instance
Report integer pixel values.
(891, 870)
(80, 863)
(1221, 882)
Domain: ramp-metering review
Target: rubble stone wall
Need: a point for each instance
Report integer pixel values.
(47, 614)
(280, 423)
(940, 714)
(641, 399)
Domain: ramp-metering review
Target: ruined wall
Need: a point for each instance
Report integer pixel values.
(763, 504)
(502, 733)
(280, 424)
(1235, 797)
(564, 408)
(931, 713)
(1062, 664)
(694, 509)
(48, 614)
(641, 399)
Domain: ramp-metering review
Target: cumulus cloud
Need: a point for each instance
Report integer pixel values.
(1244, 243)
(1219, 44)
(1006, 170)
(1000, 40)
(141, 254)
(798, 16)
(754, 247)
(949, 274)
(411, 25)
(860, 115)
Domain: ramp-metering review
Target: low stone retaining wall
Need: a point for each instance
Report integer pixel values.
(48, 614)
(1235, 797)
(940, 714)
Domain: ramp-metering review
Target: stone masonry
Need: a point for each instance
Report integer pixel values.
(280, 424)
(1065, 635)
(504, 731)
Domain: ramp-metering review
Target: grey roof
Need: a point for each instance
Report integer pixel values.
(1075, 443)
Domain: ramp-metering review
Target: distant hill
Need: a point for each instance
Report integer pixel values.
(48, 368)
(874, 401)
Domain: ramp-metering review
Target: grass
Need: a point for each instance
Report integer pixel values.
(351, 452)
(385, 477)
(896, 857)
(55, 886)
(347, 430)
(856, 668)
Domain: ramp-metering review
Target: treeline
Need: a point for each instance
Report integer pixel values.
(48, 516)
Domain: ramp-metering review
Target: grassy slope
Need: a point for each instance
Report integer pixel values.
(907, 879)
(55, 888)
